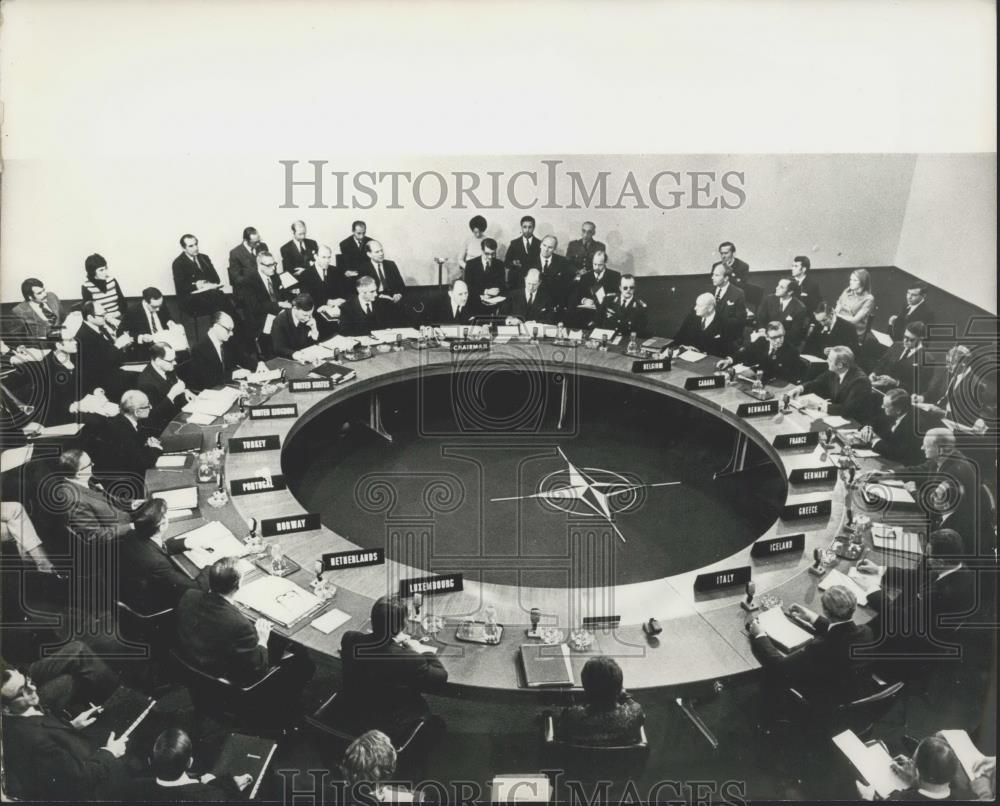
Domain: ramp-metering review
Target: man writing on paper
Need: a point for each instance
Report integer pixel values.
(844, 388)
(158, 380)
(295, 328)
(485, 276)
(896, 433)
(148, 321)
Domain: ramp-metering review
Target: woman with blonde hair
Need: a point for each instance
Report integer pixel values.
(857, 304)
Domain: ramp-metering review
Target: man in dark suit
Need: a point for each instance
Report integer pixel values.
(916, 309)
(906, 366)
(258, 296)
(486, 274)
(530, 303)
(805, 287)
(300, 252)
(295, 328)
(87, 509)
(215, 637)
(455, 307)
(845, 388)
(828, 330)
(143, 322)
(624, 312)
(783, 307)
(590, 290)
(961, 389)
(771, 354)
(197, 282)
(158, 381)
(557, 273)
(386, 672)
(730, 302)
(46, 758)
(824, 665)
(739, 270)
(353, 254)
(704, 330)
(62, 384)
(522, 253)
(39, 314)
(243, 256)
(388, 280)
(216, 360)
(366, 311)
(895, 434)
(580, 253)
(101, 354)
(123, 448)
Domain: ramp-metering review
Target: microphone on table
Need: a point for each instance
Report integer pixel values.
(817, 568)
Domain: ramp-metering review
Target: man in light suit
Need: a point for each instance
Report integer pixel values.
(300, 252)
(88, 512)
(522, 253)
(243, 256)
(704, 330)
(39, 313)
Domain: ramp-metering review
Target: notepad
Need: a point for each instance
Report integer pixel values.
(288, 280)
(314, 352)
(873, 763)
(15, 457)
(835, 577)
(601, 333)
(172, 461)
(784, 632)
(268, 324)
(278, 599)
(201, 419)
(692, 356)
(508, 330)
(967, 753)
(174, 336)
(835, 421)
(342, 343)
(64, 430)
(886, 491)
(895, 538)
(212, 542)
(179, 497)
(867, 582)
(546, 665)
(330, 620)
(882, 338)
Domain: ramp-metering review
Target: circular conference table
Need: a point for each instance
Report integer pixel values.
(703, 636)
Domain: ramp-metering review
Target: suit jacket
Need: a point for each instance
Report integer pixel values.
(354, 322)
(312, 284)
(784, 365)
(99, 363)
(217, 638)
(90, 515)
(136, 322)
(33, 325)
(850, 398)
(243, 261)
(120, 450)
(581, 255)
(902, 444)
(384, 681)
(147, 790)
(149, 582)
(289, 337)
(733, 308)
(253, 302)
(540, 310)
(955, 467)
(794, 318)
(62, 388)
(154, 386)
(926, 592)
(518, 260)
(47, 759)
(808, 292)
(351, 255)
(293, 258)
(623, 319)
(715, 340)
(922, 313)
(740, 272)
(601, 727)
(587, 285)
(205, 370)
(440, 311)
(957, 395)
(478, 279)
(914, 374)
(557, 279)
(393, 279)
(842, 334)
(186, 273)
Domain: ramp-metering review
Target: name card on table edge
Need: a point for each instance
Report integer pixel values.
(805, 475)
(783, 544)
(268, 442)
(269, 527)
(726, 578)
(804, 439)
(651, 365)
(761, 409)
(429, 585)
(274, 412)
(356, 558)
(257, 484)
(806, 509)
(311, 385)
(699, 382)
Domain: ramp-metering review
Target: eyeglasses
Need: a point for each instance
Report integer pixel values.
(268, 265)
(226, 327)
(147, 407)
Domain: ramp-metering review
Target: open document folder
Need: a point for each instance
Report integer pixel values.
(278, 599)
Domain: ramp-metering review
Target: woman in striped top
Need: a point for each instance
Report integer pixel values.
(856, 304)
(101, 287)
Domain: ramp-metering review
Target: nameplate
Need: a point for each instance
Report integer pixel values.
(274, 412)
(805, 475)
(816, 509)
(805, 439)
(762, 409)
(353, 559)
(310, 385)
(269, 527)
(470, 346)
(257, 485)
(269, 442)
(601, 622)
(716, 580)
(651, 365)
(443, 583)
(778, 545)
(705, 382)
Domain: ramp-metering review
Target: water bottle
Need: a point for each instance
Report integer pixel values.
(633, 344)
(604, 343)
(758, 381)
(491, 630)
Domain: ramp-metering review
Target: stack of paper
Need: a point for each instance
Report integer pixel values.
(278, 599)
(782, 630)
(342, 343)
(388, 335)
(330, 620)
(171, 461)
(882, 338)
(213, 402)
(691, 355)
(180, 499)
(891, 491)
(873, 763)
(314, 352)
(265, 376)
(835, 421)
(867, 582)
(810, 401)
(212, 542)
(452, 331)
(599, 333)
(967, 753)
(895, 538)
(288, 280)
(64, 430)
(835, 577)
(174, 336)
(15, 457)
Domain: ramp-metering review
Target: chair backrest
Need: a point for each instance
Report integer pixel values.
(584, 760)
(208, 692)
(881, 697)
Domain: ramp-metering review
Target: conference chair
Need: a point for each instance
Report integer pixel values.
(153, 630)
(859, 714)
(582, 761)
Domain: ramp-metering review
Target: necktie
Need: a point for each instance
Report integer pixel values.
(704, 322)
(197, 265)
(486, 265)
(835, 385)
(368, 309)
(545, 265)
(718, 293)
(531, 299)
(301, 246)
(272, 290)
(381, 276)
(154, 323)
(49, 314)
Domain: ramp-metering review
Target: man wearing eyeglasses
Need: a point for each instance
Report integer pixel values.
(260, 295)
(623, 312)
(905, 366)
(123, 450)
(769, 352)
(148, 320)
(90, 514)
(215, 360)
(158, 380)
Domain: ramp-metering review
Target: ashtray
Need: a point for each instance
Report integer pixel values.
(383, 348)
(551, 635)
(218, 499)
(233, 417)
(432, 625)
(768, 601)
(581, 640)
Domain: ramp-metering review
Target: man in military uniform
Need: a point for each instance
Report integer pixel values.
(623, 312)
(581, 252)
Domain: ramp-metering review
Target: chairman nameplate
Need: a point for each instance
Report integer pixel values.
(778, 545)
(470, 346)
(338, 560)
(269, 442)
(258, 484)
(274, 412)
(804, 439)
(810, 509)
(270, 527)
(443, 583)
(699, 382)
(717, 580)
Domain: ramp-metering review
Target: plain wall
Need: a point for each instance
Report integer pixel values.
(949, 233)
(841, 210)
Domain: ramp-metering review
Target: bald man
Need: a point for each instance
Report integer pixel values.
(389, 283)
(123, 450)
(844, 388)
(216, 359)
(705, 330)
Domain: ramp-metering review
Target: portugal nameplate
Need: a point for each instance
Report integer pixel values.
(274, 412)
(259, 484)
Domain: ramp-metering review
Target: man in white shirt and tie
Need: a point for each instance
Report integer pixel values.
(388, 280)
(367, 311)
(783, 307)
(455, 308)
(522, 253)
(299, 253)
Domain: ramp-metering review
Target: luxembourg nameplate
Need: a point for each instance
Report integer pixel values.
(804, 439)
(699, 382)
(806, 475)
(310, 385)
(337, 560)
(778, 545)
(442, 583)
(651, 365)
(813, 509)
(258, 485)
(274, 412)
(716, 580)
(269, 527)
(268, 442)
(761, 409)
